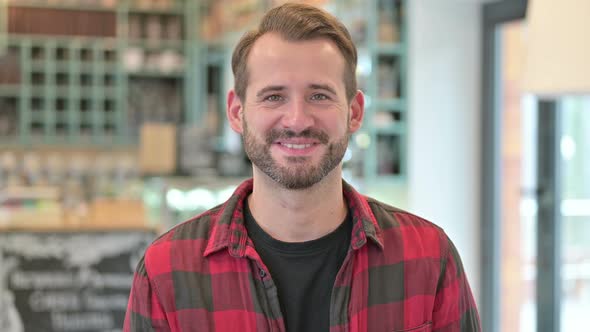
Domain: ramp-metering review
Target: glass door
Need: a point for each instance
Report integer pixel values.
(575, 212)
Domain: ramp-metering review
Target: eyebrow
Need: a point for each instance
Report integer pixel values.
(324, 87)
(278, 88)
(270, 88)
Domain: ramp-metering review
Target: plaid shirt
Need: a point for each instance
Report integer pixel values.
(401, 273)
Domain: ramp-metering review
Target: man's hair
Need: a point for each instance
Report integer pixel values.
(297, 22)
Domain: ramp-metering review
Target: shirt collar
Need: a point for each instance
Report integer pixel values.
(228, 229)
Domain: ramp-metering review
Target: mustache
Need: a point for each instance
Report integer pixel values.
(317, 134)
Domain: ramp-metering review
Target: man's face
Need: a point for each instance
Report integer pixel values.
(296, 119)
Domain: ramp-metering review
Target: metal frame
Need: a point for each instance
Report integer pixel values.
(193, 84)
(3, 25)
(493, 15)
(549, 217)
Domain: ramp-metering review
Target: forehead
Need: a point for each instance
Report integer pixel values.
(274, 58)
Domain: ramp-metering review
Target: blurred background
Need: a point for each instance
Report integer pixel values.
(113, 130)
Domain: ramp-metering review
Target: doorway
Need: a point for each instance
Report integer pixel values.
(535, 191)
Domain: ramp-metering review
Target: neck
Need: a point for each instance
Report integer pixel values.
(298, 215)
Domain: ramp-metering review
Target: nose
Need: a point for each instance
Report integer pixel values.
(298, 116)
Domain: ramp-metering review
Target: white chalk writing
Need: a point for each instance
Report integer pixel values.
(52, 301)
(41, 279)
(81, 321)
(75, 250)
(94, 301)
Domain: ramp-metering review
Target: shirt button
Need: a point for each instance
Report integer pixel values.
(262, 273)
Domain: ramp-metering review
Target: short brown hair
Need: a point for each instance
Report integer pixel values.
(296, 22)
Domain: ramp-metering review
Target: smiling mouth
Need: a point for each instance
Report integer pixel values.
(297, 146)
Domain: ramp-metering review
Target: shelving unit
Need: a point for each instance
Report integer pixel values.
(154, 61)
(96, 79)
(386, 88)
(378, 29)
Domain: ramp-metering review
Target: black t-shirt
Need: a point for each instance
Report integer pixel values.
(304, 273)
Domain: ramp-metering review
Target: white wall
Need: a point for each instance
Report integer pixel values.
(444, 121)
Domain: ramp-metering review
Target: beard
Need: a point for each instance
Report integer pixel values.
(299, 173)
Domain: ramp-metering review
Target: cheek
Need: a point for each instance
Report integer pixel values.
(336, 124)
(258, 125)
(264, 121)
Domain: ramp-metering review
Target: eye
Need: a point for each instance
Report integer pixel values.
(319, 96)
(273, 98)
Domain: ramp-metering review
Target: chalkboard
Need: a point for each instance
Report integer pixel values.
(67, 281)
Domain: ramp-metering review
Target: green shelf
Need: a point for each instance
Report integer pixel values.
(390, 104)
(63, 92)
(384, 160)
(157, 44)
(77, 90)
(397, 129)
(391, 49)
(155, 74)
(17, 39)
(84, 72)
(9, 90)
(175, 10)
(71, 66)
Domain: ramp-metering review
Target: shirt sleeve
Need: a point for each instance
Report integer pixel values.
(454, 306)
(144, 311)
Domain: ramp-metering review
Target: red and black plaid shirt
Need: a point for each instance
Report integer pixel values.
(401, 273)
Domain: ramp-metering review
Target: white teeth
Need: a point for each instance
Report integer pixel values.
(297, 146)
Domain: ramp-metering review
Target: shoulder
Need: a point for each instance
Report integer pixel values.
(416, 234)
(188, 239)
(389, 216)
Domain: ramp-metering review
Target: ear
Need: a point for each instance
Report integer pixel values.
(234, 111)
(357, 111)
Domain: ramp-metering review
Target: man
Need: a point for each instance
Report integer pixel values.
(296, 248)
